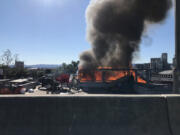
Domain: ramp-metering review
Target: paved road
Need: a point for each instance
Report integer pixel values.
(38, 92)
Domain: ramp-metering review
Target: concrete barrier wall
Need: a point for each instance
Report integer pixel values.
(89, 115)
(174, 113)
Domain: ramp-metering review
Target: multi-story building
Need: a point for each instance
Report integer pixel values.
(142, 66)
(19, 64)
(158, 68)
(160, 64)
(1, 74)
(156, 64)
(164, 59)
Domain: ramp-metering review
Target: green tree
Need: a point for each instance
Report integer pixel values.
(7, 58)
(69, 68)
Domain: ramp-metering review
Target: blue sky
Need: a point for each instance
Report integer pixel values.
(54, 31)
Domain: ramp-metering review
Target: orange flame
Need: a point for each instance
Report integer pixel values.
(106, 76)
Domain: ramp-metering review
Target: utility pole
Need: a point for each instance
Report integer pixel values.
(176, 76)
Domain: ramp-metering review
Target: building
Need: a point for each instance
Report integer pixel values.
(156, 64)
(1, 74)
(163, 77)
(142, 66)
(19, 64)
(164, 60)
(160, 64)
(1, 71)
(154, 68)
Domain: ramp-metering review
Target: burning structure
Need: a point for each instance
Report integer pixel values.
(114, 29)
(109, 79)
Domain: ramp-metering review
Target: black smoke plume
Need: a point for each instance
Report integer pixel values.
(115, 27)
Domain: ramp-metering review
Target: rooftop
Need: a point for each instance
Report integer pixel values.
(166, 72)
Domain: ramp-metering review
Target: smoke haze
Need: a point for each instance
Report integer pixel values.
(115, 27)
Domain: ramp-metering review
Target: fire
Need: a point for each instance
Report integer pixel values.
(140, 80)
(105, 74)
